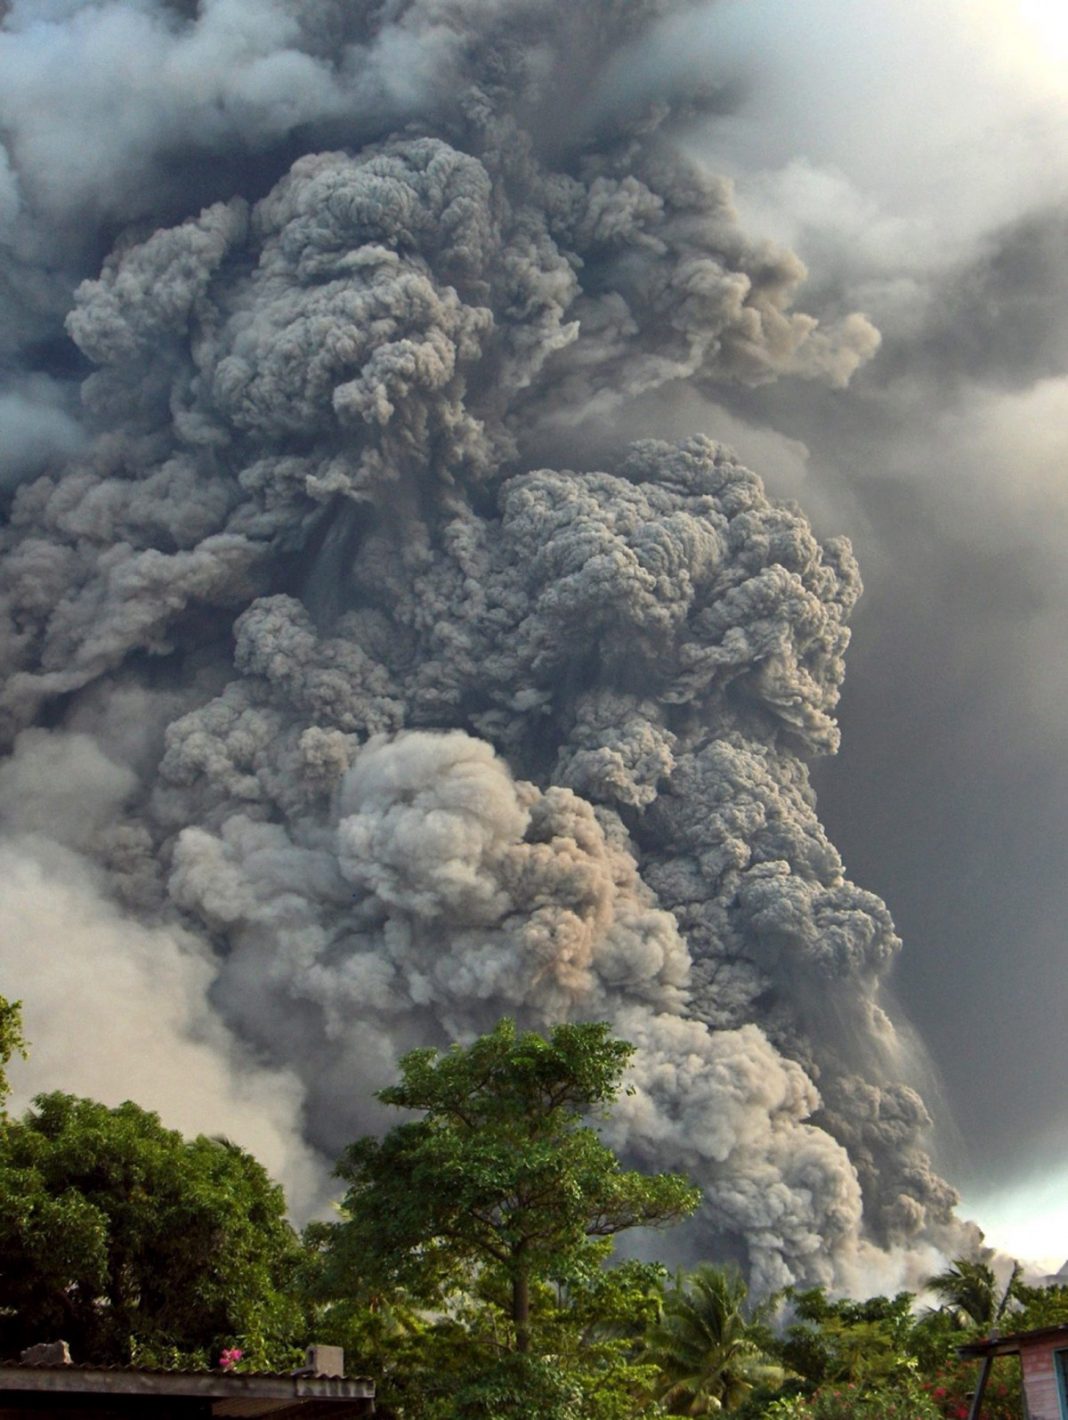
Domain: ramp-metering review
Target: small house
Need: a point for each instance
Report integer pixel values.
(1044, 1362)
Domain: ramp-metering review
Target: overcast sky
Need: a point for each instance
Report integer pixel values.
(915, 157)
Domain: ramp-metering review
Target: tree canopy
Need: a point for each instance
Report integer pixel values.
(502, 1173)
(127, 1240)
(709, 1346)
(470, 1272)
(971, 1290)
(12, 1042)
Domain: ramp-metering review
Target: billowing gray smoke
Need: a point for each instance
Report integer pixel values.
(339, 726)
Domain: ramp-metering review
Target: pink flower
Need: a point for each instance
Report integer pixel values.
(229, 1357)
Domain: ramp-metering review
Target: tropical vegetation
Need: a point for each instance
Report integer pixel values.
(470, 1268)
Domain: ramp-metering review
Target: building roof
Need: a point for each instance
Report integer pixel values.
(216, 1393)
(1012, 1344)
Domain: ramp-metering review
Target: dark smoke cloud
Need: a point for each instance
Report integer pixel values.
(323, 688)
(945, 462)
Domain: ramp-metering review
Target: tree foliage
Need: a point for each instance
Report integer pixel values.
(586, 1362)
(709, 1350)
(127, 1240)
(881, 1357)
(840, 1341)
(970, 1289)
(853, 1401)
(501, 1174)
(12, 1043)
(471, 1271)
(1039, 1306)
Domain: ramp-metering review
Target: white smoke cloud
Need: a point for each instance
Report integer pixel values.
(114, 1008)
(144, 81)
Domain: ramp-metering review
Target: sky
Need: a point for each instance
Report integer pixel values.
(913, 157)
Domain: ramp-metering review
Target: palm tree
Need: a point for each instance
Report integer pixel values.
(969, 1290)
(706, 1347)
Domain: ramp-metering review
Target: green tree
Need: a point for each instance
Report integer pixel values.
(710, 1352)
(1039, 1306)
(12, 1042)
(878, 1358)
(871, 1346)
(501, 1174)
(127, 1240)
(971, 1291)
(459, 1362)
(933, 1339)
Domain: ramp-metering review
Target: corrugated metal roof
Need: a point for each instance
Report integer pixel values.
(168, 1371)
(229, 1394)
(1011, 1342)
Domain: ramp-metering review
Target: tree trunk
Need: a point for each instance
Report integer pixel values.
(521, 1307)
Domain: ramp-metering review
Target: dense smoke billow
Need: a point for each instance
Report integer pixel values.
(337, 724)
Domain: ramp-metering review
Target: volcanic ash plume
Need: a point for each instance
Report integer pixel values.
(343, 721)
